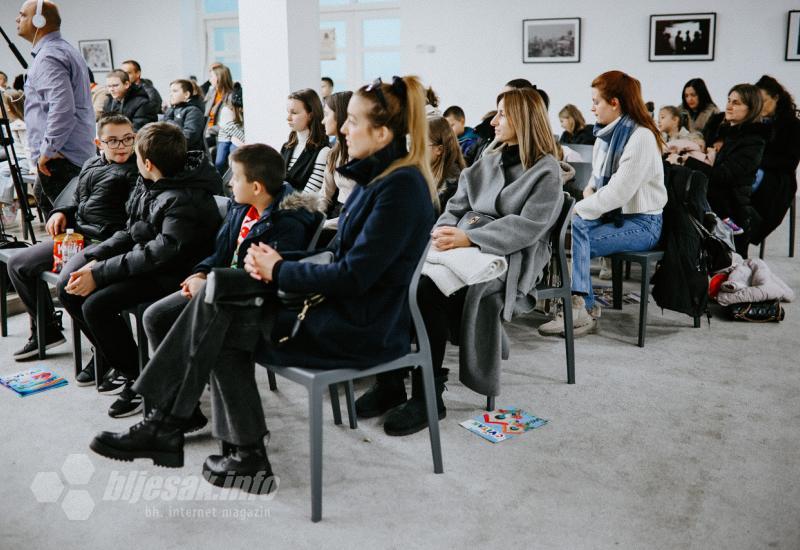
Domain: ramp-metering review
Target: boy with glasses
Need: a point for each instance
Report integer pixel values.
(96, 210)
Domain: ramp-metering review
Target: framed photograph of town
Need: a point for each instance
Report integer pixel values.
(793, 37)
(551, 40)
(683, 37)
(97, 54)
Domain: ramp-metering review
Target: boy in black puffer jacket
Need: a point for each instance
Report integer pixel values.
(172, 220)
(96, 211)
(186, 113)
(128, 99)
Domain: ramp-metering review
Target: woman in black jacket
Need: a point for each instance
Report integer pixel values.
(776, 181)
(127, 99)
(186, 114)
(306, 150)
(363, 319)
(739, 145)
(576, 131)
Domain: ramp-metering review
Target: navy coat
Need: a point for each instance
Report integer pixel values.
(288, 223)
(384, 228)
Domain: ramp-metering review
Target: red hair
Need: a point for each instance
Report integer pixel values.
(628, 91)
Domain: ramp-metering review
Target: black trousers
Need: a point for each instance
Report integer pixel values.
(442, 315)
(47, 188)
(99, 315)
(209, 344)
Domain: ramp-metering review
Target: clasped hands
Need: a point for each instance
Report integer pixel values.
(81, 281)
(446, 237)
(260, 261)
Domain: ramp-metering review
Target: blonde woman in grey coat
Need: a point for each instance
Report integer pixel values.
(516, 188)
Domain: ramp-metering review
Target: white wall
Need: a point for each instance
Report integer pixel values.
(478, 47)
(162, 35)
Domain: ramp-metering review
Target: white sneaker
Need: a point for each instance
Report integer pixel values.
(582, 321)
(605, 269)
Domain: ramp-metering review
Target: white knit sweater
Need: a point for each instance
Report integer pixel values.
(638, 184)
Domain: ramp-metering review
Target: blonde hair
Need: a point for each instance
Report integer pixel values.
(403, 112)
(441, 134)
(527, 114)
(571, 111)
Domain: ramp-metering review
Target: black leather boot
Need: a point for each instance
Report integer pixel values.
(246, 468)
(158, 437)
(388, 392)
(412, 416)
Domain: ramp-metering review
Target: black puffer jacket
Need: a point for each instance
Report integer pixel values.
(135, 105)
(97, 209)
(189, 118)
(584, 136)
(730, 179)
(171, 227)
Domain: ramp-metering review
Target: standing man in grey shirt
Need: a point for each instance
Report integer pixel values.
(58, 103)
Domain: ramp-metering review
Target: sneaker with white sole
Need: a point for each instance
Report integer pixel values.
(54, 337)
(583, 322)
(127, 404)
(113, 383)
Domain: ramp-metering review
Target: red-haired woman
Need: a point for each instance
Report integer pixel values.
(622, 204)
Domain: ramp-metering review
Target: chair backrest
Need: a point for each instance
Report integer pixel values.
(222, 205)
(558, 238)
(585, 151)
(583, 173)
(313, 243)
(423, 345)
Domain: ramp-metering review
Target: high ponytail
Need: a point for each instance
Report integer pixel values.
(402, 110)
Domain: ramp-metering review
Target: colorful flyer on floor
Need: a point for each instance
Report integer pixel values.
(32, 381)
(503, 424)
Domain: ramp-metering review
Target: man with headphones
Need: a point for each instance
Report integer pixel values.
(59, 116)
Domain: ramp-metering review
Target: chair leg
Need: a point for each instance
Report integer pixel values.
(697, 322)
(763, 247)
(3, 301)
(337, 410)
(351, 404)
(569, 340)
(76, 346)
(41, 313)
(490, 402)
(792, 220)
(141, 341)
(628, 270)
(273, 384)
(99, 368)
(315, 419)
(616, 283)
(644, 298)
(433, 416)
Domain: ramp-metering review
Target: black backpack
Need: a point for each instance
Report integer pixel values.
(680, 281)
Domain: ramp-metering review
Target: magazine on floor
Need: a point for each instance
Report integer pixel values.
(502, 424)
(32, 381)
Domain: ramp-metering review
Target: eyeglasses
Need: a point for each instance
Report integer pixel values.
(115, 143)
(376, 87)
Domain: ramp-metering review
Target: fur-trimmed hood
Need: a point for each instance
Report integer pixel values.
(297, 200)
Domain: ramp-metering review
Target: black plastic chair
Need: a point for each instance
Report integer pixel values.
(316, 381)
(792, 222)
(561, 292)
(646, 260)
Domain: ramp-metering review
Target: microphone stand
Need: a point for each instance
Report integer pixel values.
(7, 144)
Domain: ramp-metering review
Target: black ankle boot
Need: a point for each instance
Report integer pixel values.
(195, 422)
(246, 468)
(412, 416)
(158, 437)
(388, 392)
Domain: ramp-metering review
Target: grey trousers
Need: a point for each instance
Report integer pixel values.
(208, 344)
(160, 317)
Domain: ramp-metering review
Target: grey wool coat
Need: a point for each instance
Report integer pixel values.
(525, 208)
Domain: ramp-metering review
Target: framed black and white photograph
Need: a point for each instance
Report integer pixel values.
(97, 54)
(683, 37)
(793, 37)
(551, 40)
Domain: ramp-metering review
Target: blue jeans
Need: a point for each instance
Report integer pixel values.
(592, 238)
(224, 149)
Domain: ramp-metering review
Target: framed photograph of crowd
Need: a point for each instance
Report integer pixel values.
(793, 37)
(551, 40)
(683, 37)
(97, 54)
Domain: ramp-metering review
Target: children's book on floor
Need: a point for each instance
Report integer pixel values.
(32, 381)
(503, 424)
